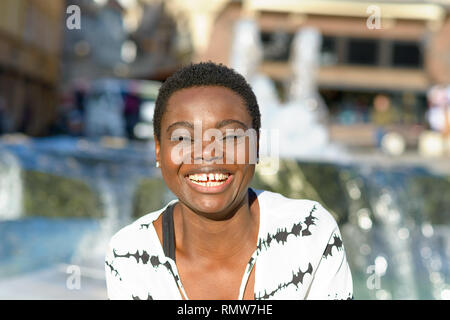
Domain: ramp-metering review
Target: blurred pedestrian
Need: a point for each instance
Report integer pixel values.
(383, 115)
(3, 124)
(438, 114)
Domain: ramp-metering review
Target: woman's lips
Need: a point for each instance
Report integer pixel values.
(209, 182)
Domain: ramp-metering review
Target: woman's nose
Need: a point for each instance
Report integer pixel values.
(211, 151)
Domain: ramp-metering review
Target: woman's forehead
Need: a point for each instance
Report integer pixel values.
(202, 103)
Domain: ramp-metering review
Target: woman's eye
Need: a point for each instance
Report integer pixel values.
(232, 137)
(181, 138)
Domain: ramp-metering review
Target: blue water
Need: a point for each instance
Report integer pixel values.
(52, 155)
(30, 244)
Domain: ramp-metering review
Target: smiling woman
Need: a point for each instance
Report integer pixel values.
(221, 239)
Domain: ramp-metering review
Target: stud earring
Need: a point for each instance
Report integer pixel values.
(157, 164)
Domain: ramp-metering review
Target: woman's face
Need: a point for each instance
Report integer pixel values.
(211, 174)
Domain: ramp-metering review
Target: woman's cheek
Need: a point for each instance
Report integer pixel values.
(243, 152)
(180, 153)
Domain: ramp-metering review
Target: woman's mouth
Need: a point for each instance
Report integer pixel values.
(209, 182)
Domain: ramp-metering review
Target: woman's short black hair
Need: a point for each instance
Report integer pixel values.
(205, 74)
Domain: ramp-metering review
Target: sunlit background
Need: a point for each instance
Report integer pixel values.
(357, 91)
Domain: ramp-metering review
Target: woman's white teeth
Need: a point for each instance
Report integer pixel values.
(209, 180)
(209, 183)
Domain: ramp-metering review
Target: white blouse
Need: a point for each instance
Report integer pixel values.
(300, 255)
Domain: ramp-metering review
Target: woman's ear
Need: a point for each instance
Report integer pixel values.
(157, 149)
(257, 148)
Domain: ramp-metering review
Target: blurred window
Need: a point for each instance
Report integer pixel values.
(276, 45)
(406, 54)
(363, 51)
(328, 54)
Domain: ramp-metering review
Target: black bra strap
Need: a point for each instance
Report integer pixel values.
(251, 196)
(168, 233)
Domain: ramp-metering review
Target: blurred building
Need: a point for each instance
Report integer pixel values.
(401, 55)
(125, 39)
(30, 44)
(118, 39)
(94, 50)
(161, 44)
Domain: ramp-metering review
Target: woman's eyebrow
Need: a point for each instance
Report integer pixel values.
(223, 123)
(180, 123)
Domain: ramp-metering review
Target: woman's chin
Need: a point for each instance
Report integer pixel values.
(210, 208)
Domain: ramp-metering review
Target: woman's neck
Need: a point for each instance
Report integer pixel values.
(198, 237)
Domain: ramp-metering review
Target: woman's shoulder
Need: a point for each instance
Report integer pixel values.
(280, 210)
(133, 232)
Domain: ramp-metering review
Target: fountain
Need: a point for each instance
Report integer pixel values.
(306, 137)
(246, 56)
(386, 234)
(10, 187)
(77, 194)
